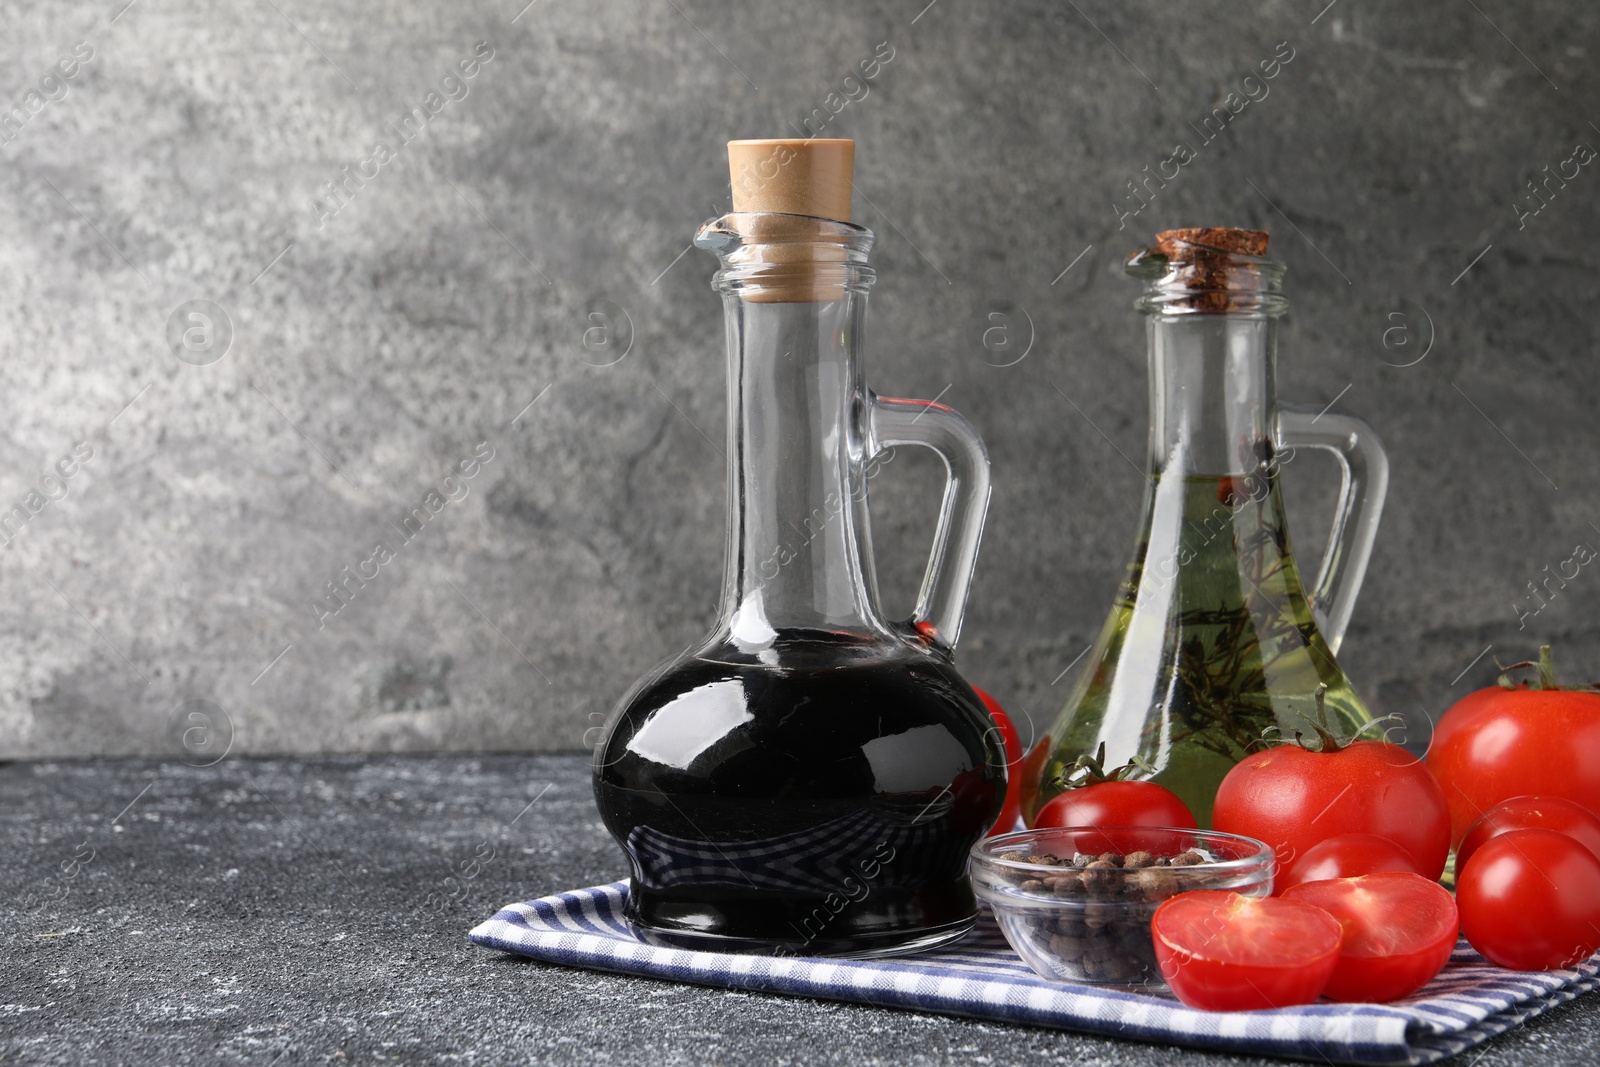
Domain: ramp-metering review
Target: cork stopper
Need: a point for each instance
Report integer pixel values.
(791, 183)
(794, 176)
(1220, 239)
(1205, 261)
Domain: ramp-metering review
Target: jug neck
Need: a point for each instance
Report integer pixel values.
(1211, 322)
(798, 543)
(1213, 393)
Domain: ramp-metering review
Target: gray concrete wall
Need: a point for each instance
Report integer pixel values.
(367, 345)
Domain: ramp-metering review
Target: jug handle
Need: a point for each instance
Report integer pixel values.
(893, 421)
(1364, 483)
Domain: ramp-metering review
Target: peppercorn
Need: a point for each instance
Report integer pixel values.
(1102, 933)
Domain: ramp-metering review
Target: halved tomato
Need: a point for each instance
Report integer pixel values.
(1225, 951)
(1399, 930)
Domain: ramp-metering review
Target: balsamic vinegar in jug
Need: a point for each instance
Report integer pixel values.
(746, 822)
(809, 778)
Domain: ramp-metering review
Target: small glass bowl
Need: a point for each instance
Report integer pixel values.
(1092, 926)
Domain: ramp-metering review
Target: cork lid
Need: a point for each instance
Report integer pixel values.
(793, 176)
(1212, 265)
(1219, 239)
(787, 186)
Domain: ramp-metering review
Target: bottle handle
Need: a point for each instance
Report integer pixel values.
(1364, 482)
(943, 599)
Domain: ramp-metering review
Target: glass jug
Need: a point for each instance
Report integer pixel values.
(1213, 644)
(809, 778)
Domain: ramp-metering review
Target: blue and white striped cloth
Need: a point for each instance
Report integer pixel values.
(982, 977)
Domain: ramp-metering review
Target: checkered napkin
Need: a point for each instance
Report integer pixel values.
(981, 977)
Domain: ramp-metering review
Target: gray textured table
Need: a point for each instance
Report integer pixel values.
(278, 911)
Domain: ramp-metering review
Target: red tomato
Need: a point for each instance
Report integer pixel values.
(1097, 797)
(1531, 813)
(1224, 951)
(1011, 810)
(1293, 798)
(1399, 930)
(1345, 856)
(1032, 775)
(1530, 900)
(1122, 803)
(1518, 739)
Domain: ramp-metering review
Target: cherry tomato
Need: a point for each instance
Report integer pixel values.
(1518, 739)
(1399, 931)
(1345, 856)
(1223, 951)
(1122, 803)
(1530, 900)
(1531, 813)
(1011, 810)
(1294, 798)
(1095, 796)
